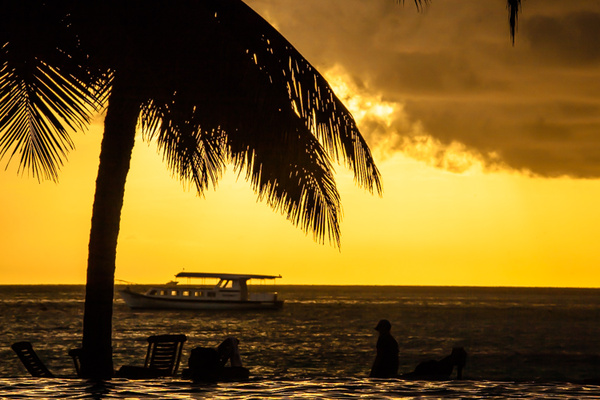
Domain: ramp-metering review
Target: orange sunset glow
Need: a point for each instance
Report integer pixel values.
(488, 154)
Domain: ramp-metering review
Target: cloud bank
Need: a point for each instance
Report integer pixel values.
(450, 87)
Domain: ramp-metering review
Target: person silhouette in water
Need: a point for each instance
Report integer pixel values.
(386, 361)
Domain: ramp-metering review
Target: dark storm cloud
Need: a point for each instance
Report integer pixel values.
(572, 39)
(454, 74)
(547, 141)
(430, 74)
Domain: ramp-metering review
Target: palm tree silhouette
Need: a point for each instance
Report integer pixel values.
(210, 81)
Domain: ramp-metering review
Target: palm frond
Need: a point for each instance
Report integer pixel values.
(309, 94)
(420, 4)
(514, 6)
(193, 154)
(284, 162)
(300, 184)
(45, 88)
(260, 115)
(30, 127)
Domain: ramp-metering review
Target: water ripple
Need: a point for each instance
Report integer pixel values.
(342, 389)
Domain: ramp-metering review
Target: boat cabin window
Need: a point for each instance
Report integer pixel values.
(211, 294)
(152, 292)
(225, 284)
(197, 294)
(174, 292)
(186, 293)
(163, 293)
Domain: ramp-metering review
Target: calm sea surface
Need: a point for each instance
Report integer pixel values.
(522, 343)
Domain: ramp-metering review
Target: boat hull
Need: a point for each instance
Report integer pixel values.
(141, 301)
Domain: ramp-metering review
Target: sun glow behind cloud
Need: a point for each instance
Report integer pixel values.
(361, 105)
(389, 129)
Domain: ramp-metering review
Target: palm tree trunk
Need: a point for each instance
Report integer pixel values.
(117, 144)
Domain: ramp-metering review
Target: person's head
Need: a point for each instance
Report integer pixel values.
(459, 356)
(383, 326)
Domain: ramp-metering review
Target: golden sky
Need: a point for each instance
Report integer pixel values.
(489, 155)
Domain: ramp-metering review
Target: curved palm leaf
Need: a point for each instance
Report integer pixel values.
(312, 99)
(514, 7)
(418, 3)
(193, 154)
(45, 89)
(248, 97)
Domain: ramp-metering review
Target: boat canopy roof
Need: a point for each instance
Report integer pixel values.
(233, 277)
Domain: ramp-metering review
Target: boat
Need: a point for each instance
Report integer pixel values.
(230, 293)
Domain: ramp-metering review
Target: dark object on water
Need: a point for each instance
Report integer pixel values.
(442, 369)
(162, 358)
(205, 365)
(31, 361)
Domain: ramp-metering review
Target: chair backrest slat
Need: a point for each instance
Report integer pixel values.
(31, 361)
(164, 353)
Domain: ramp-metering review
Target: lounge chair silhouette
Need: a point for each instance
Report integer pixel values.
(162, 358)
(75, 354)
(31, 361)
(442, 369)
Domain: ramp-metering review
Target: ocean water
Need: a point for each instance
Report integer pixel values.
(521, 342)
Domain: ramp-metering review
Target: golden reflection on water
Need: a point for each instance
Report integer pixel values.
(322, 342)
(289, 389)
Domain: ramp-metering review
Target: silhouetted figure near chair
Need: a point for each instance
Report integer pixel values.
(210, 364)
(229, 350)
(442, 369)
(386, 361)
